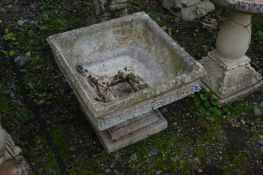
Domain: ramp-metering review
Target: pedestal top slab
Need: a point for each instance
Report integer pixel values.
(247, 6)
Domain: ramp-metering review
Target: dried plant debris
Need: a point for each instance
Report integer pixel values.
(110, 88)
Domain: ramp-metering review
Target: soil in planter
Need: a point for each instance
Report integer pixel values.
(120, 85)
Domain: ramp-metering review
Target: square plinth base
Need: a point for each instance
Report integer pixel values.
(230, 80)
(234, 97)
(132, 131)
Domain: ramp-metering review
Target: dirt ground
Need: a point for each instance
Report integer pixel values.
(202, 138)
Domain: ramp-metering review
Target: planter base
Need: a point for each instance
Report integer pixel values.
(229, 80)
(132, 131)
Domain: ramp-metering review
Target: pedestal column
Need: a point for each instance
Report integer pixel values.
(229, 73)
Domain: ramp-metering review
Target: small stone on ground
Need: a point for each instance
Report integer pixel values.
(257, 110)
(261, 105)
(23, 59)
(134, 157)
(21, 22)
(260, 141)
(153, 152)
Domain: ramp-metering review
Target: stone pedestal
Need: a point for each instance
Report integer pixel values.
(188, 10)
(132, 131)
(230, 74)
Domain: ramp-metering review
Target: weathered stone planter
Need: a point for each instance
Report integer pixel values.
(132, 46)
(230, 74)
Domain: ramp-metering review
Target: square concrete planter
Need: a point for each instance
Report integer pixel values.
(156, 70)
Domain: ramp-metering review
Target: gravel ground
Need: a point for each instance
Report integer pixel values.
(231, 143)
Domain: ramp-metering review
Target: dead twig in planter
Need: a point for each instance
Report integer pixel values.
(103, 88)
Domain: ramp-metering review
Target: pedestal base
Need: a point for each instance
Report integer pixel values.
(230, 80)
(132, 131)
